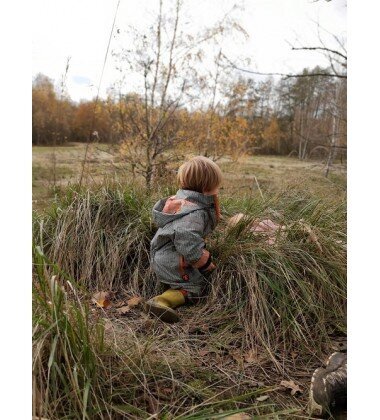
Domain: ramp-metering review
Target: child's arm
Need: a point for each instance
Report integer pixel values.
(189, 242)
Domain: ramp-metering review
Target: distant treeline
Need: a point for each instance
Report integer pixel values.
(304, 116)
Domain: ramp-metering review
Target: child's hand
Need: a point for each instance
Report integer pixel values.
(209, 269)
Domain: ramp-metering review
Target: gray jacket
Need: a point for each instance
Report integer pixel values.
(178, 247)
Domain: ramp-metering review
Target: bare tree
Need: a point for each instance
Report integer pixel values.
(167, 60)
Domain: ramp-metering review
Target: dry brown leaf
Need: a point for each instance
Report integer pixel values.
(294, 388)
(251, 356)
(294, 354)
(134, 301)
(107, 324)
(234, 220)
(237, 416)
(262, 398)
(102, 299)
(123, 310)
(312, 235)
(166, 391)
(236, 354)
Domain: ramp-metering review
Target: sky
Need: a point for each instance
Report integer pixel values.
(80, 29)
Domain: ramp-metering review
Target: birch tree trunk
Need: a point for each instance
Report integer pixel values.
(332, 151)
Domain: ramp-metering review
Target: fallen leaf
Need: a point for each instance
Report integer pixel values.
(262, 398)
(236, 354)
(234, 220)
(312, 235)
(134, 301)
(167, 391)
(237, 416)
(123, 310)
(107, 324)
(251, 356)
(102, 299)
(292, 386)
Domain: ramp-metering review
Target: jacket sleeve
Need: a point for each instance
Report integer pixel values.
(188, 239)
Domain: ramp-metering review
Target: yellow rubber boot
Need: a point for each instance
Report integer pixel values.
(163, 305)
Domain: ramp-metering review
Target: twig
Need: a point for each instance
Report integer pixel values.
(321, 49)
(286, 75)
(258, 186)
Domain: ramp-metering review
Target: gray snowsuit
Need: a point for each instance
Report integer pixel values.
(178, 248)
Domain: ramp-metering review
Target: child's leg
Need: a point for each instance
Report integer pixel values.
(163, 305)
(195, 298)
(190, 292)
(200, 295)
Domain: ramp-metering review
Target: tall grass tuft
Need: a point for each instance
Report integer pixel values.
(292, 291)
(100, 238)
(65, 345)
(291, 294)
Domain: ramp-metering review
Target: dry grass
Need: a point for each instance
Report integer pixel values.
(256, 175)
(272, 313)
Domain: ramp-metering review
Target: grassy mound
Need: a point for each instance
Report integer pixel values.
(266, 300)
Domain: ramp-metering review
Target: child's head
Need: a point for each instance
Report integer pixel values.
(200, 174)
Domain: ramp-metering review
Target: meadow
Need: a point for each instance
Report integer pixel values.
(54, 168)
(273, 313)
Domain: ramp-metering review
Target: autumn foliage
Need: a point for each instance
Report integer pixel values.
(290, 116)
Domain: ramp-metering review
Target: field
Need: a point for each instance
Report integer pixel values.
(273, 313)
(269, 174)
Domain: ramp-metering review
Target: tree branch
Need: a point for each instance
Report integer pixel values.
(322, 49)
(289, 75)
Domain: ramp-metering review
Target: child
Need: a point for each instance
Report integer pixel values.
(178, 253)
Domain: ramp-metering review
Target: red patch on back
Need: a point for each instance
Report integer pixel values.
(173, 205)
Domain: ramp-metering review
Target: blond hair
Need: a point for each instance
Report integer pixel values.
(199, 174)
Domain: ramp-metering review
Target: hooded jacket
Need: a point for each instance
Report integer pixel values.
(178, 248)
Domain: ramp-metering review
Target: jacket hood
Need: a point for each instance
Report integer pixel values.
(198, 201)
